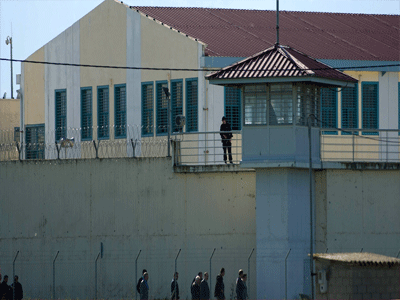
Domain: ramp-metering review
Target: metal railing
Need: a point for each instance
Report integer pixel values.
(206, 148)
(360, 145)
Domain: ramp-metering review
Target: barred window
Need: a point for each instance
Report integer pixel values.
(103, 109)
(233, 107)
(120, 110)
(176, 103)
(162, 108)
(86, 113)
(307, 103)
(329, 109)
(349, 108)
(255, 104)
(281, 104)
(370, 106)
(61, 114)
(147, 108)
(35, 140)
(191, 104)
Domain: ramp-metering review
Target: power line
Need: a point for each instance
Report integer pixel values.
(187, 69)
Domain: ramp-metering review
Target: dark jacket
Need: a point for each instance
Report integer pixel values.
(204, 290)
(226, 136)
(219, 288)
(5, 291)
(19, 294)
(144, 290)
(173, 296)
(241, 290)
(195, 289)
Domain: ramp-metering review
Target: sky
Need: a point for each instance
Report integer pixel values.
(33, 23)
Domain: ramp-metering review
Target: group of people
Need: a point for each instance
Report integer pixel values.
(10, 292)
(199, 288)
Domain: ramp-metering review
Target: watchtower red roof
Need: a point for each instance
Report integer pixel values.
(279, 61)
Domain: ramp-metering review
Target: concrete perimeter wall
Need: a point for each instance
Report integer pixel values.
(73, 206)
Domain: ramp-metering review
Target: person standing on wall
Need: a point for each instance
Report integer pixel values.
(17, 289)
(226, 136)
(175, 287)
(144, 287)
(219, 286)
(204, 289)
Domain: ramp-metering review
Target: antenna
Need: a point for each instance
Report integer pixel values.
(277, 23)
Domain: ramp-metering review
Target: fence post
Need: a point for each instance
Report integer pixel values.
(212, 254)
(248, 269)
(133, 148)
(19, 151)
(137, 257)
(176, 282)
(286, 273)
(353, 140)
(54, 275)
(96, 148)
(14, 273)
(95, 276)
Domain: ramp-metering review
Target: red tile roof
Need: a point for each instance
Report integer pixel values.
(279, 61)
(241, 33)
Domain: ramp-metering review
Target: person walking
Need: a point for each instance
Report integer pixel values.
(140, 281)
(195, 288)
(219, 291)
(175, 287)
(5, 289)
(226, 136)
(239, 281)
(18, 293)
(204, 289)
(243, 288)
(144, 287)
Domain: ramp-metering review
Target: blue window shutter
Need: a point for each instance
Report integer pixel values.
(349, 108)
(86, 113)
(370, 102)
(233, 107)
(176, 102)
(162, 108)
(192, 104)
(120, 110)
(35, 142)
(147, 108)
(329, 109)
(103, 109)
(61, 114)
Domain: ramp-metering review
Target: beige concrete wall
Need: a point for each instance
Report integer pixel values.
(128, 205)
(9, 114)
(34, 98)
(358, 209)
(103, 42)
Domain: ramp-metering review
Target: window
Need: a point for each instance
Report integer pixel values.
(103, 109)
(349, 108)
(191, 104)
(35, 141)
(147, 108)
(329, 109)
(232, 107)
(120, 110)
(86, 113)
(281, 104)
(369, 106)
(162, 107)
(61, 114)
(307, 104)
(255, 104)
(176, 103)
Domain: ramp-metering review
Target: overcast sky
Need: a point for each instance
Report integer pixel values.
(33, 23)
